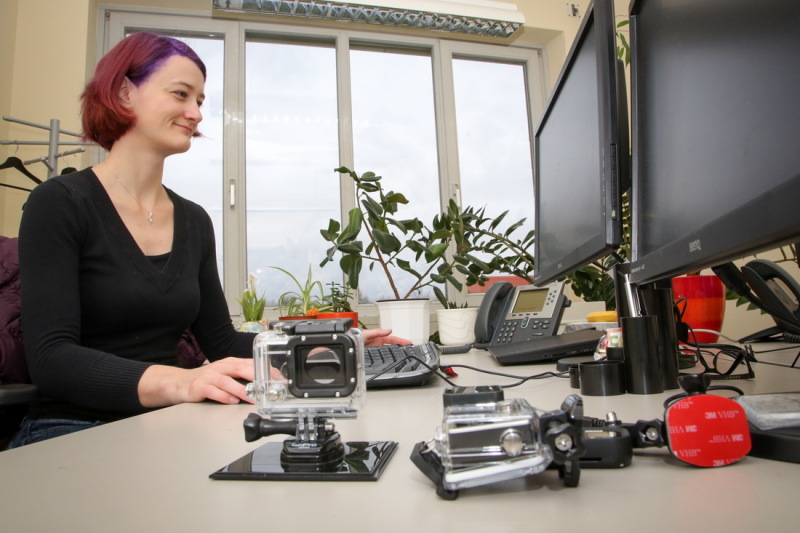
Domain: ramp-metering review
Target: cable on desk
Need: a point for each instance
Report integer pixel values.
(522, 379)
(719, 353)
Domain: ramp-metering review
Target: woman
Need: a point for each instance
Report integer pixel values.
(115, 267)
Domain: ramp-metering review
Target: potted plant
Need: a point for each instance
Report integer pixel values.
(252, 307)
(339, 306)
(306, 301)
(446, 251)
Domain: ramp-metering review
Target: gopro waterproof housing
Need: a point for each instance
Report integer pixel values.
(480, 443)
(309, 366)
(306, 373)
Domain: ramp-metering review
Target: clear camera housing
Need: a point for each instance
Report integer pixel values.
(490, 442)
(309, 368)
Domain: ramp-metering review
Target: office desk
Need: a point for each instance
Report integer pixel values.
(150, 473)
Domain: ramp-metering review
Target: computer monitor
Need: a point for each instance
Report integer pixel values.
(716, 118)
(582, 154)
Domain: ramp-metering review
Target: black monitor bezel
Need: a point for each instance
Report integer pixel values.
(613, 133)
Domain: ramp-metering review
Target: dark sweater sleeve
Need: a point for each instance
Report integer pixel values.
(52, 229)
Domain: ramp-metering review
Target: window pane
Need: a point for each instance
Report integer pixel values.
(394, 132)
(494, 144)
(292, 150)
(197, 174)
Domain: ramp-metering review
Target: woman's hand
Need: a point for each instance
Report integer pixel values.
(161, 385)
(379, 337)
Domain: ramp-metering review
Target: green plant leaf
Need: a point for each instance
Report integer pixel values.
(351, 266)
(354, 220)
(373, 208)
(396, 198)
(354, 247)
(386, 242)
(441, 297)
(435, 251)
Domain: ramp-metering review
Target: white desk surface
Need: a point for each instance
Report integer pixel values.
(150, 473)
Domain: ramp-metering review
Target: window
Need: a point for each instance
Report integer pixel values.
(292, 148)
(494, 137)
(197, 174)
(394, 135)
(439, 119)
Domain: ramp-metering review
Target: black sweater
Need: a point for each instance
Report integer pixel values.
(96, 312)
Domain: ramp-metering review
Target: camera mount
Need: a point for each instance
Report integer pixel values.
(316, 445)
(308, 372)
(480, 442)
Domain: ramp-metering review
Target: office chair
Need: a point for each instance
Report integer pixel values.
(16, 391)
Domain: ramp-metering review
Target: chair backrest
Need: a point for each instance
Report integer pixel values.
(13, 367)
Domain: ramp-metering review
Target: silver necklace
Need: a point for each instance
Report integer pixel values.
(149, 211)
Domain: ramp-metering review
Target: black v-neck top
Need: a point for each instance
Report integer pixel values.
(96, 312)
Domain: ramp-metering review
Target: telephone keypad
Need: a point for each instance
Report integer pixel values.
(539, 327)
(506, 331)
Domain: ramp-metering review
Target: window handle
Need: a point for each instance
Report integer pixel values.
(457, 194)
(232, 193)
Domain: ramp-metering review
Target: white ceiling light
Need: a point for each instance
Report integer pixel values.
(476, 17)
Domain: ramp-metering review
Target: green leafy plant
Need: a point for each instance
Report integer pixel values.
(623, 46)
(252, 304)
(339, 296)
(393, 243)
(308, 299)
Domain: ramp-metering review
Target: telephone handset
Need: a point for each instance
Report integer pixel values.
(770, 288)
(778, 292)
(510, 314)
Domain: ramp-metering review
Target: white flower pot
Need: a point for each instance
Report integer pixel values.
(409, 319)
(457, 326)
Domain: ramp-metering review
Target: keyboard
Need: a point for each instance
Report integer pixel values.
(399, 370)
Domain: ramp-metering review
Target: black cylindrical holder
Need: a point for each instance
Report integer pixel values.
(642, 360)
(658, 301)
(602, 378)
(570, 365)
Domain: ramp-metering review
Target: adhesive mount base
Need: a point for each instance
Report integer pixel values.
(363, 461)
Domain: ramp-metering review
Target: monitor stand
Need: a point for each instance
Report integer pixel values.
(650, 300)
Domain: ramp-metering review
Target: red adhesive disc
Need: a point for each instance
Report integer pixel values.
(707, 430)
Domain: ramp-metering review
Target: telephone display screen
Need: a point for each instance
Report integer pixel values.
(530, 301)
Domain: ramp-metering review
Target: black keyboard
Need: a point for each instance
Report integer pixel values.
(393, 365)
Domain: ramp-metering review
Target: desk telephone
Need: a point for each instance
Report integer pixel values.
(510, 314)
(519, 325)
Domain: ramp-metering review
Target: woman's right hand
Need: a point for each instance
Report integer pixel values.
(161, 385)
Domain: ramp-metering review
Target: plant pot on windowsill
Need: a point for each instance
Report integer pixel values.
(340, 314)
(409, 318)
(457, 326)
(705, 304)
